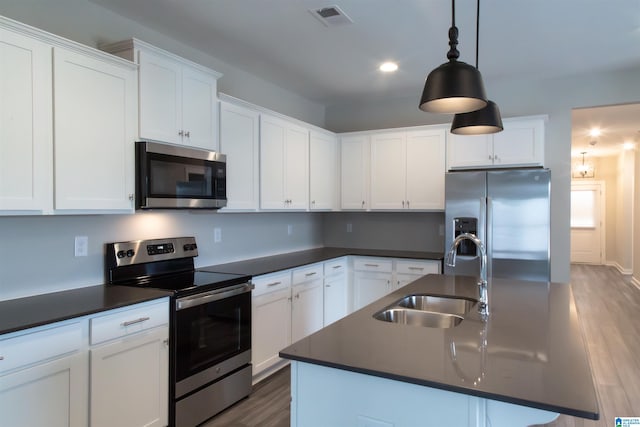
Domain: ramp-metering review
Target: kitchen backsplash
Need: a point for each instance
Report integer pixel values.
(37, 252)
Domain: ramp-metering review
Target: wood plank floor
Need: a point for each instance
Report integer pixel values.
(609, 307)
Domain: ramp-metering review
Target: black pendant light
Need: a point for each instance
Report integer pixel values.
(455, 86)
(483, 121)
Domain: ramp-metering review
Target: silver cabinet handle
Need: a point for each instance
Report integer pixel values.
(416, 268)
(187, 134)
(130, 196)
(181, 132)
(310, 274)
(270, 285)
(328, 286)
(407, 204)
(371, 265)
(297, 296)
(403, 204)
(363, 203)
(133, 322)
(1, 357)
(337, 266)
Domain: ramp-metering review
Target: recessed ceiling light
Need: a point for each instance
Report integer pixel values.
(628, 145)
(594, 132)
(388, 67)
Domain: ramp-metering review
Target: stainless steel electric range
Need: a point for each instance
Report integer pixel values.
(210, 321)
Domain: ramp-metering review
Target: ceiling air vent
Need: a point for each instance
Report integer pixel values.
(331, 16)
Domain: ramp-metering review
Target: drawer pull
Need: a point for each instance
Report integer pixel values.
(1, 357)
(310, 274)
(371, 265)
(416, 268)
(337, 266)
(133, 322)
(270, 285)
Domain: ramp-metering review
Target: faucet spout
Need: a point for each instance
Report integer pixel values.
(483, 290)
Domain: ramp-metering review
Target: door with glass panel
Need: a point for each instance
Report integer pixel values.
(587, 217)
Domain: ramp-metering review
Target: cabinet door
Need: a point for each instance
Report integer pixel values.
(323, 171)
(370, 286)
(239, 139)
(25, 123)
(354, 167)
(160, 98)
(129, 381)
(425, 155)
(271, 328)
(94, 104)
(199, 109)
(296, 179)
(469, 151)
(521, 143)
(388, 171)
(52, 394)
(307, 309)
(272, 166)
(336, 298)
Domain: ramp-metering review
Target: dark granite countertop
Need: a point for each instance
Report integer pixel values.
(29, 312)
(270, 264)
(534, 353)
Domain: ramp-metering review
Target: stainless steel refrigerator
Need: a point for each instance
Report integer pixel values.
(509, 210)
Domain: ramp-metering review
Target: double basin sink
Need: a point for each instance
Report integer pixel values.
(433, 311)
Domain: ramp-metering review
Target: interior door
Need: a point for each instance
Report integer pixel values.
(587, 217)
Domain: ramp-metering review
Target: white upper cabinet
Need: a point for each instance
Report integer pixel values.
(178, 98)
(323, 171)
(94, 132)
(67, 125)
(284, 164)
(354, 167)
(239, 140)
(407, 170)
(521, 143)
(25, 123)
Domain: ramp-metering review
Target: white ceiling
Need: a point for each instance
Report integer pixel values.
(618, 124)
(282, 42)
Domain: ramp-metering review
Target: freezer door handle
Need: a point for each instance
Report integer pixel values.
(489, 239)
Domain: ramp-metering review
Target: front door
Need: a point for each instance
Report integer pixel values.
(587, 215)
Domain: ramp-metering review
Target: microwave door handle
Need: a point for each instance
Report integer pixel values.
(196, 300)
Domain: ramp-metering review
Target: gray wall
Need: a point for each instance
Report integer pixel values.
(37, 253)
(556, 98)
(414, 231)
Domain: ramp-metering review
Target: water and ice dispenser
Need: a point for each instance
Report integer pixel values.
(463, 225)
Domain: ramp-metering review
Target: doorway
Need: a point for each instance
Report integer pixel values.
(587, 220)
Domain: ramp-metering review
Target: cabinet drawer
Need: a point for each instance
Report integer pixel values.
(309, 272)
(271, 282)
(335, 266)
(373, 264)
(417, 267)
(23, 350)
(134, 319)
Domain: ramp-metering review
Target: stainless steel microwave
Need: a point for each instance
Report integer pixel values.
(177, 177)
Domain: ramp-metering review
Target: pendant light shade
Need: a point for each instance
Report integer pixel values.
(453, 87)
(483, 121)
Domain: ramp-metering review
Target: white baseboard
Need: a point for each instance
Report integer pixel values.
(624, 271)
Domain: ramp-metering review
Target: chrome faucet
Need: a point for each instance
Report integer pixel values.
(483, 303)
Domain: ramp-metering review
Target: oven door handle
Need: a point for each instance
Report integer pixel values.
(211, 296)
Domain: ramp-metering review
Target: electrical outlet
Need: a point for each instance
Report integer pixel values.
(289, 229)
(81, 246)
(349, 227)
(217, 235)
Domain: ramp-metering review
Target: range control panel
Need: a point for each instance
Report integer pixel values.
(142, 251)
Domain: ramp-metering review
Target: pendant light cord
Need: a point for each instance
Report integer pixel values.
(453, 53)
(477, 33)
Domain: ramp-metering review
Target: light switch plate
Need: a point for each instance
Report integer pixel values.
(81, 246)
(217, 235)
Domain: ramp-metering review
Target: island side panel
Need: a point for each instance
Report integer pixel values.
(323, 396)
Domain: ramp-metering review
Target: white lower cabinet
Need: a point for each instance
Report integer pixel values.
(408, 270)
(109, 369)
(131, 374)
(130, 366)
(372, 279)
(286, 307)
(336, 290)
(44, 378)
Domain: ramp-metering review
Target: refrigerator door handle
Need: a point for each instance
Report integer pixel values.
(489, 238)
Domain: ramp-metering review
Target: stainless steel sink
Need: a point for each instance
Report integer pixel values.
(432, 311)
(408, 316)
(439, 304)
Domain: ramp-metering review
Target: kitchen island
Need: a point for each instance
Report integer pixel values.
(526, 364)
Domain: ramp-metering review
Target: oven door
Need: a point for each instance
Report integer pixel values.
(212, 336)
